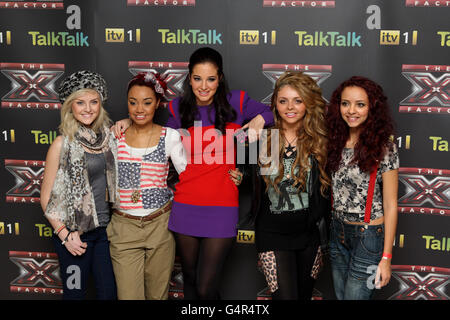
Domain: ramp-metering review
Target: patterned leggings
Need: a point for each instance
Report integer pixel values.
(288, 273)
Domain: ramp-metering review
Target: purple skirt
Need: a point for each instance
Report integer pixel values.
(204, 221)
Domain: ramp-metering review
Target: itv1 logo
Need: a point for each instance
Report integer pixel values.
(122, 35)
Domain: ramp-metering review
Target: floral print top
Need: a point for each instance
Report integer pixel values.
(350, 186)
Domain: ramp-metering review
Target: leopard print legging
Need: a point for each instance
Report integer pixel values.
(269, 267)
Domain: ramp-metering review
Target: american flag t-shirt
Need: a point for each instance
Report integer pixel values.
(146, 172)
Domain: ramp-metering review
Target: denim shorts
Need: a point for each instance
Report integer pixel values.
(355, 252)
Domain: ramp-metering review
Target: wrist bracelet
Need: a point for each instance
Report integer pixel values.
(387, 256)
(59, 230)
(66, 238)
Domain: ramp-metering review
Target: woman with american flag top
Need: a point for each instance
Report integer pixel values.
(142, 247)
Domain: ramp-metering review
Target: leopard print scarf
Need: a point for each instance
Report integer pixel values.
(71, 199)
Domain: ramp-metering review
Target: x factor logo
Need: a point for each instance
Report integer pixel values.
(32, 4)
(273, 71)
(31, 82)
(299, 4)
(413, 286)
(427, 3)
(142, 3)
(422, 187)
(28, 175)
(38, 272)
(174, 74)
(430, 89)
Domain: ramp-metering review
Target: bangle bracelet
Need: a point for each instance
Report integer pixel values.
(387, 256)
(66, 238)
(59, 229)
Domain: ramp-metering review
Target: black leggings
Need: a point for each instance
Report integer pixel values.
(294, 274)
(202, 260)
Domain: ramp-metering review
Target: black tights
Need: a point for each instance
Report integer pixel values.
(294, 274)
(202, 260)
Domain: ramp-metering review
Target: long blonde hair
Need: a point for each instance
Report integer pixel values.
(312, 134)
(69, 125)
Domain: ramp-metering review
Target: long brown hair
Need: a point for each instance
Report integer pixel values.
(312, 134)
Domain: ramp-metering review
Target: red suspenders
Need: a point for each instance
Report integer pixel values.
(370, 191)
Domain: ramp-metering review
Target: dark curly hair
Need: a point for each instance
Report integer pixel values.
(374, 137)
(188, 105)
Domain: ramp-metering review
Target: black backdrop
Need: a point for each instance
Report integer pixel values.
(402, 44)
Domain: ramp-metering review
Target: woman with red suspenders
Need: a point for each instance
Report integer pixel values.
(363, 163)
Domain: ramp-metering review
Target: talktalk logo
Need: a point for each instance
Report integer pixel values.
(436, 243)
(445, 38)
(190, 36)
(427, 3)
(299, 4)
(59, 39)
(160, 3)
(32, 85)
(327, 39)
(26, 4)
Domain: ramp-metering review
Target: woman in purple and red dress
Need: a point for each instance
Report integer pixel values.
(205, 208)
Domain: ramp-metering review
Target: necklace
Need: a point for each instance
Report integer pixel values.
(136, 193)
(290, 148)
